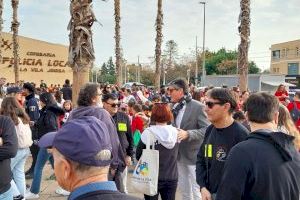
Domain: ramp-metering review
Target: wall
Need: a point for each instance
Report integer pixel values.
(38, 60)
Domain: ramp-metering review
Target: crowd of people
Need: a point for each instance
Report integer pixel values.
(214, 144)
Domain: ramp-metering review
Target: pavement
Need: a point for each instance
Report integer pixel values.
(48, 187)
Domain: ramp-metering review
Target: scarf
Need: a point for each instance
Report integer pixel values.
(182, 102)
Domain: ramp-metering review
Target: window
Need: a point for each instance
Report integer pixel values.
(276, 54)
(293, 68)
(297, 51)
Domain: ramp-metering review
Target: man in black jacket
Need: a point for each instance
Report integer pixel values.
(32, 109)
(219, 138)
(67, 90)
(8, 150)
(82, 153)
(123, 125)
(267, 164)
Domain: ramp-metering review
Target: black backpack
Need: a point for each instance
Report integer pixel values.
(295, 113)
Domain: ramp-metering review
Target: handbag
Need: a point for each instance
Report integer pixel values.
(145, 174)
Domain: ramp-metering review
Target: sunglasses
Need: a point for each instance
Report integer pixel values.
(211, 104)
(114, 105)
(171, 89)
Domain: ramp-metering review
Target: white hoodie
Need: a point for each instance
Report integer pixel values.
(166, 135)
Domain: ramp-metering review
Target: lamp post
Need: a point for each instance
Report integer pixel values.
(203, 50)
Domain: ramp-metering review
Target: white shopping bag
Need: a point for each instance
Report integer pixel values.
(145, 174)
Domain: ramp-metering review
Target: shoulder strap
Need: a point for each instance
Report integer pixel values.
(151, 134)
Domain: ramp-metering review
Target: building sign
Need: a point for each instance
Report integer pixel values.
(48, 60)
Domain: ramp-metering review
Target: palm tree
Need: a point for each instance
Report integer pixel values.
(244, 30)
(81, 50)
(117, 39)
(159, 35)
(14, 27)
(1, 23)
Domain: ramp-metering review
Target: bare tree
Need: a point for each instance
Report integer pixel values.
(14, 27)
(159, 35)
(244, 30)
(117, 40)
(81, 50)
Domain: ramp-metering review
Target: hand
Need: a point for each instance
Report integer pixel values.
(128, 160)
(1, 141)
(182, 134)
(205, 194)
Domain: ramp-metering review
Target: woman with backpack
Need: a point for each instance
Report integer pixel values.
(11, 108)
(47, 122)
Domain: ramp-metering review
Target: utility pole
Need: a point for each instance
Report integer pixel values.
(196, 70)
(203, 53)
(137, 70)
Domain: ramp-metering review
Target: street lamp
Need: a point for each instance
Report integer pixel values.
(203, 56)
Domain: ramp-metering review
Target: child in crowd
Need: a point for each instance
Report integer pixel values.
(67, 107)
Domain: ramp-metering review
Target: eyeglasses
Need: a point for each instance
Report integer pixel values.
(114, 105)
(211, 104)
(171, 89)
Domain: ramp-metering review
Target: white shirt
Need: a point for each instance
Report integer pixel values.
(179, 116)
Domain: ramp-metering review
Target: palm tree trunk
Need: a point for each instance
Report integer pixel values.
(1, 23)
(159, 35)
(14, 27)
(117, 40)
(244, 30)
(81, 50)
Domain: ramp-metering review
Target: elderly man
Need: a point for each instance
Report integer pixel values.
(82, 155)
(191, 120)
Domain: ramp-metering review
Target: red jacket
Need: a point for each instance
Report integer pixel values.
(290, 107)
(137, 123)
(280, 93)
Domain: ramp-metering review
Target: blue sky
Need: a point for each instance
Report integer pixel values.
(272, 21)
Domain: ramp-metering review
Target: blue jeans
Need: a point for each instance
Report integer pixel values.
(17, 167)
(8, 195)
(42, 158)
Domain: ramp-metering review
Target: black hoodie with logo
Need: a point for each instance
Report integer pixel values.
(264, 167)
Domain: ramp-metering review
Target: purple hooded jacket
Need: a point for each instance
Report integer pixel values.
(101, 114)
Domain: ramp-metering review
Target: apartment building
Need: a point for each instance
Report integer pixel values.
(285, 58)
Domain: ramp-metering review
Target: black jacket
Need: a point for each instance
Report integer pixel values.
(213, 153)
(7, 151)
(32, 107)
(106, 195)
(264, 167)
(123, 126)
(48, 120)
(67, 92)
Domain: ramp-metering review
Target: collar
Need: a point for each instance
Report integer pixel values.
(29, 96)
(92, 187)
